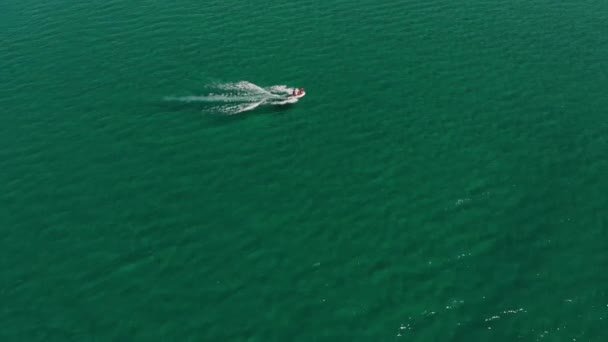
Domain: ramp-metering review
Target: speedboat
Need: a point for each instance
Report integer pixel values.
(297, 94)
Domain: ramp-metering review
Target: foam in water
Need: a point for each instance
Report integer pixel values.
(239, 97)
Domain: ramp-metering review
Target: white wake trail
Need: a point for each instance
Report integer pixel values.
(238, 97)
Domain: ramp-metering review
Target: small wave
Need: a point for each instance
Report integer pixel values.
(238, 97)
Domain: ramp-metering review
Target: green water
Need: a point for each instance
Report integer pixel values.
(444, 179)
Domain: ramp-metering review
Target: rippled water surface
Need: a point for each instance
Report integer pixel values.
(443, 179)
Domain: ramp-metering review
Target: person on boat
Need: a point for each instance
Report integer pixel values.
(293, 93)
(300, 91)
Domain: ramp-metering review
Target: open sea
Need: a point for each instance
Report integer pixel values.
(443, 179)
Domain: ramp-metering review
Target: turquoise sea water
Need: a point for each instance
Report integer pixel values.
(444, 179)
